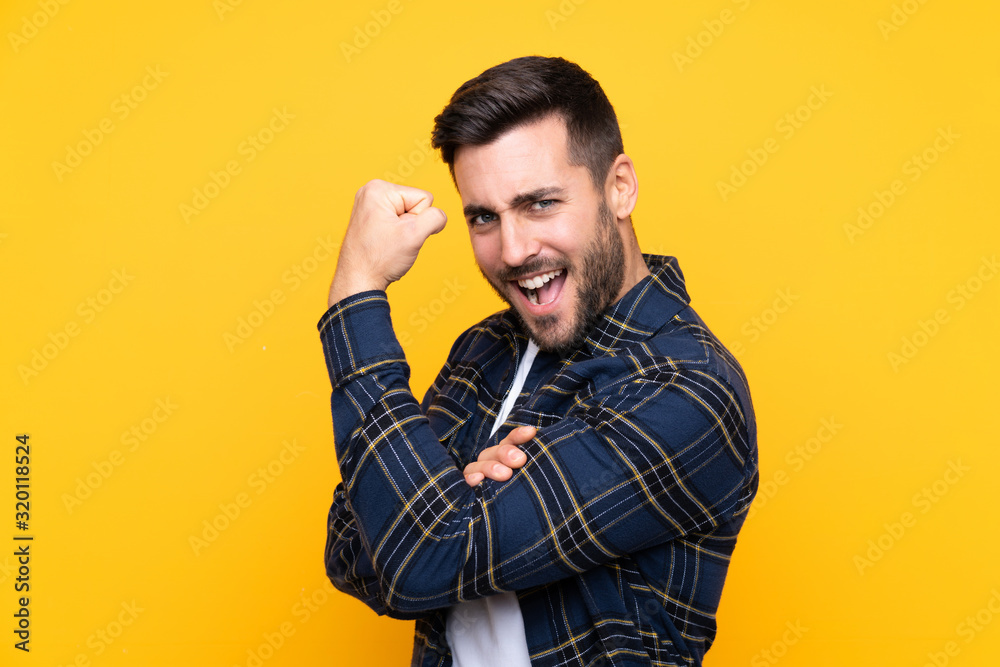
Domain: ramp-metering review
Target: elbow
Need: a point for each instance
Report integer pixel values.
(390, 596)
(428, 579)
(417, 595)
(370, 593)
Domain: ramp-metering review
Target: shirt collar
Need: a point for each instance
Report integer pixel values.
(643, 310)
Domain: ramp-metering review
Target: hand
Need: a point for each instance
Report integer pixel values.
(388, 226)
(499, 461)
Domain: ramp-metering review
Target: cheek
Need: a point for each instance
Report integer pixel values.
(567, 246)
(486, 251)
(569, 234)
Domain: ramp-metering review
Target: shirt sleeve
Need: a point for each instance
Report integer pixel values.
(656, 453)
(348, 563)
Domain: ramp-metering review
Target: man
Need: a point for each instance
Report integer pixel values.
(570, 490)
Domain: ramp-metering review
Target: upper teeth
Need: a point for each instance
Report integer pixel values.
(538, 281)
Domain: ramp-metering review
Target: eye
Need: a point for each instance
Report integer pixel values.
(543, 204)
(482, 219)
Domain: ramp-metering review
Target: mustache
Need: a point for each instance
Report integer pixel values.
(539, 265)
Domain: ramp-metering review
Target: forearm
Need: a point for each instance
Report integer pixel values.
(346, 283)
(401, 483)
(388, 226)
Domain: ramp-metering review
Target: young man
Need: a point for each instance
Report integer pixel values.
(570, 490)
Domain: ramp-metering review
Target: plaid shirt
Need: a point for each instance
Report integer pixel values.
(616, 534)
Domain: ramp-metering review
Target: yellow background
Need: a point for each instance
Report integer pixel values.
(813, 304)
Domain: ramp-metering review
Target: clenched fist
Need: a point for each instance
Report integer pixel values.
(388, 226)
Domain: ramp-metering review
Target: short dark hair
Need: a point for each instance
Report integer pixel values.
(526, 89)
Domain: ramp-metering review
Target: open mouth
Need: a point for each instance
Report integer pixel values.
(544, 288)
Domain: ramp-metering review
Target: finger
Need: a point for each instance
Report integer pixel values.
(474, 479)
(489, 470)
(507, 450)
(410, 200)
(520, 435)
(430, 221)
(512, 456)
(497, 461)
(506, 453)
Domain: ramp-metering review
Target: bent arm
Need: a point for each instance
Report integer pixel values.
(659, 454)
(348, 563)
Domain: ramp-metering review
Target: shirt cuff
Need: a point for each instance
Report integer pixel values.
(358, 338)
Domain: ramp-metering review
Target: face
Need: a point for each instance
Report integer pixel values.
(542, 234)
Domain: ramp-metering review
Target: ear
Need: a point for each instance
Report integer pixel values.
(622, 187)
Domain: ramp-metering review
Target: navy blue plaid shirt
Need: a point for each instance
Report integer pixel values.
(615, 535)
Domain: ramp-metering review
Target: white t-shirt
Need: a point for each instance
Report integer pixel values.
(489, 632)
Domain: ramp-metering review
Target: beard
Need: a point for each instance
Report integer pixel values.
(599, 274)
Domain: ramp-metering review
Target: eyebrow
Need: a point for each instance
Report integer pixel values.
(472, 210)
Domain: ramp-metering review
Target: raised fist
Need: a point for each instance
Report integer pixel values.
(388, 226)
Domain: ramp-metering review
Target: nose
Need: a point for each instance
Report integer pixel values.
(518, 241)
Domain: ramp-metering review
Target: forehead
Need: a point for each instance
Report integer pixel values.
(524, 159)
